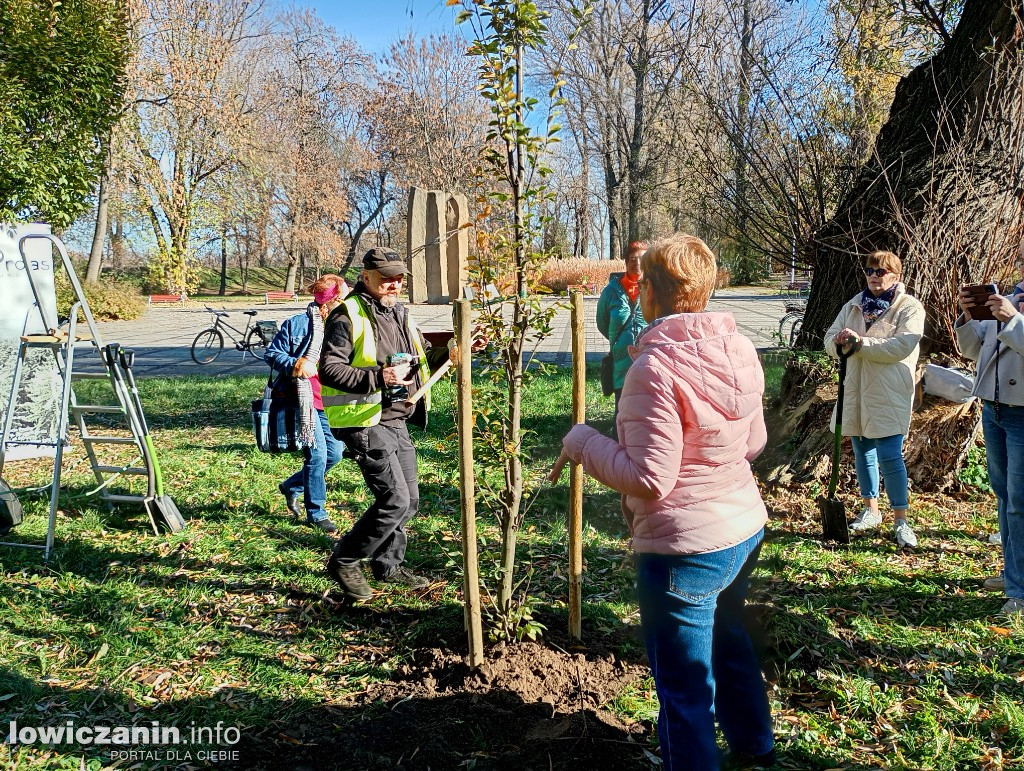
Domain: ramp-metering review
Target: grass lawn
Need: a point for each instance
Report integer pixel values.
(876, 659)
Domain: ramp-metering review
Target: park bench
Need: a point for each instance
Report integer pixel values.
(270, 297)
(796, 288)
(166, 298)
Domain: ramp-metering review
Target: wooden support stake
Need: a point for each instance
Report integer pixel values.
(470, 563)
(579, 390)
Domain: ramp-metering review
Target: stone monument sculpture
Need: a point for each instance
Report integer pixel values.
(437, 244)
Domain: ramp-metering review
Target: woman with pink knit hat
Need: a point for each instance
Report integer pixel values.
(690, 421)
(294, 354)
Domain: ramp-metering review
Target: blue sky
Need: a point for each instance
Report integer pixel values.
(374, 24)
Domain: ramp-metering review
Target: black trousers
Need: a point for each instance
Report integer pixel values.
(386, 456)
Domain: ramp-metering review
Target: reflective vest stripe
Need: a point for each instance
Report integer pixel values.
(343, 397)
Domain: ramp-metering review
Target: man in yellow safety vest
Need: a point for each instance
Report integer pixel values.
(373, 358)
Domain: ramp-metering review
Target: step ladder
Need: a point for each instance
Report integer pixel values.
(67, 345)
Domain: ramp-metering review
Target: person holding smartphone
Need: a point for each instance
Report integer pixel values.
(997, 345)
(885, 325)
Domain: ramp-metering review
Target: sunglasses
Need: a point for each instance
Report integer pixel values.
(869, 272)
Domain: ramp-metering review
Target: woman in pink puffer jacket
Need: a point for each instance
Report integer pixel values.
(690, 421)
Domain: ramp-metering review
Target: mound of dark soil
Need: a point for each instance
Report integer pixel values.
(531, 706)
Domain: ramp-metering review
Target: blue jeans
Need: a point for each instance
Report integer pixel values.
(311, 480)
(885, 454)
(701, 655)
(1004, 450)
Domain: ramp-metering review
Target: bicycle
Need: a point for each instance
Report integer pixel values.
(792, 321)
(254, 339)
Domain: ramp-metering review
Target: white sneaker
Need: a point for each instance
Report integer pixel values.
(1014, 607)
(995, 538)
(995, 584)
(904, 535)
(866, 520)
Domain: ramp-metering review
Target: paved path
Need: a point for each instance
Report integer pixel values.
(163, 337)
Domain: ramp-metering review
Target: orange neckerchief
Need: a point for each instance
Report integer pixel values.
(631, 285)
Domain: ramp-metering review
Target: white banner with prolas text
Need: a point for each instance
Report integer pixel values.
(38, 398)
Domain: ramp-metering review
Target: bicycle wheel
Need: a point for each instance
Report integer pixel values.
(786, 327)
(794, 331)
(255, 344)
(207, 346)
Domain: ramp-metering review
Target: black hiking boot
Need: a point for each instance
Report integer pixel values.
(293, 502)
(350, 578)
(323, 524)
(402, 576)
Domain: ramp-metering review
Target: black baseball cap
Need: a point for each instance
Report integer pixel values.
(385, 261)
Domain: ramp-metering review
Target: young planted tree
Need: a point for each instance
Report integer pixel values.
(509, 257)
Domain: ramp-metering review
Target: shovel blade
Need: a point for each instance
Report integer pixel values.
(165, 512)
(834, 526)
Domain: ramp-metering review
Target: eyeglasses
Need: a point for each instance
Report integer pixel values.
(869, 272)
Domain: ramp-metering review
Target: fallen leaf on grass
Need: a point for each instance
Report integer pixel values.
(98, 654)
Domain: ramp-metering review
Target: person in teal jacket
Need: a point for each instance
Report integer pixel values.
(619, 317)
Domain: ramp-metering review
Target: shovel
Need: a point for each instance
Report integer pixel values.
(834, 526)
(439, 373)
(161, 507)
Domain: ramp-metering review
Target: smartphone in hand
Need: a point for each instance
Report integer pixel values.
(981, 293)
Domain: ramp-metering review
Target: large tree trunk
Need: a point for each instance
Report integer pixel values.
(943, 187)
(223, 261)
(92, 271)
(636, 167)
(743, 259)
(612, 185)
(117, 243)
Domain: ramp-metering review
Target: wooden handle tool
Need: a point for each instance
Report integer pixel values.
(439, 373)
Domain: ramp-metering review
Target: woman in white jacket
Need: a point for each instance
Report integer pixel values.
(885, 325)
(998, 347)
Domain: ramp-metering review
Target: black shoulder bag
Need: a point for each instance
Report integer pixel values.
(275, 417)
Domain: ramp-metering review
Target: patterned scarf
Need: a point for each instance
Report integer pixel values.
(872, 307)
(307, 412)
